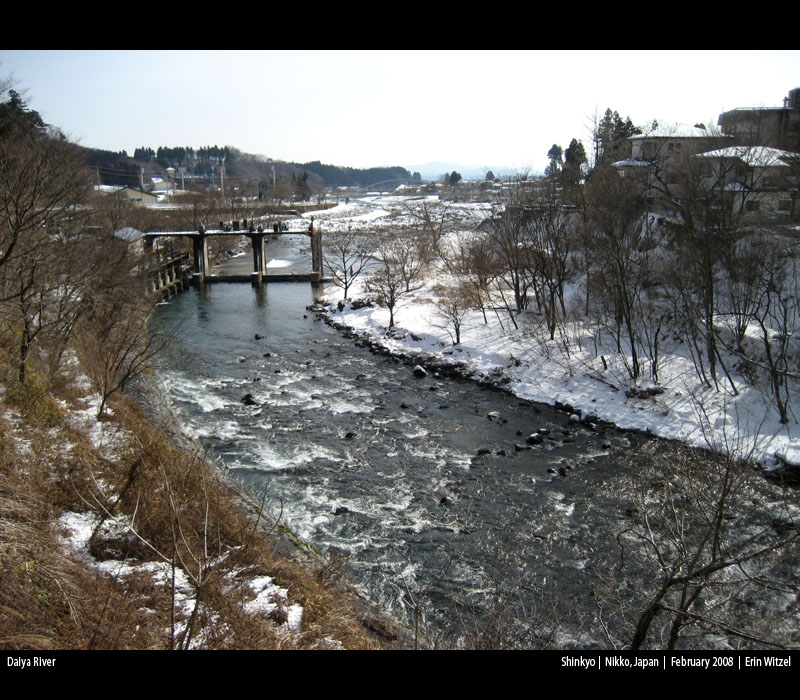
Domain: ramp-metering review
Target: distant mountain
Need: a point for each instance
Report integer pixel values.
(433, 171)
(337, 175)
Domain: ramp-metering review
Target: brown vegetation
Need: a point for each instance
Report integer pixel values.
(169, 510)
(173, 554)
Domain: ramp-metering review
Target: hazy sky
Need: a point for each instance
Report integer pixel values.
(367, 108)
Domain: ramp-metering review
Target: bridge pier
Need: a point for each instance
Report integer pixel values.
(316, 251)
(170, 277)
(259, 256)
(200, 257)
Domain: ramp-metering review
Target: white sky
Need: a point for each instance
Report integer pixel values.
(368, 108)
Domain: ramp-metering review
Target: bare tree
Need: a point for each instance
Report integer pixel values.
(404, 253)
(41, 296)
(776, 316)
(452, 308)
(280, 189)
(711, 193)
(203, 207)
(616, 207)
(397, 272)
(511, 243)
(433, 218)
(698, 560)
(742, 263)
(479, 270)
(552, 231)
(116, 343)
(346, 254)
(769, 302)
(42, 178)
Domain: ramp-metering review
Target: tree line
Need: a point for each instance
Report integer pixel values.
(67, 286)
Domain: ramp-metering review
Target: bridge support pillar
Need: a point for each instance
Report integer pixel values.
(316, 252)
(259, 257)
(200, 257)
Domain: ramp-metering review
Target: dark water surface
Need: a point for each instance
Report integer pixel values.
(431, 501)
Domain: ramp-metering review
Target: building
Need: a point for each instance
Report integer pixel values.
(132, 238)
(751, 183)
(660, 156)
(759, 181)
(671, 142)
(776, 127)
(136, 195)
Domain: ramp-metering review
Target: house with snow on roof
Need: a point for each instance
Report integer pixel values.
(671, 142)
(659, 156)
(761, 182)
(668, 143)
(754, 183)
(132, 238)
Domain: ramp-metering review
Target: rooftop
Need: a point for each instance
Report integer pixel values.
(675, 131)
(754, 156)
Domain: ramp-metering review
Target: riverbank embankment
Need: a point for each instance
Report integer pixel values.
(121, 535)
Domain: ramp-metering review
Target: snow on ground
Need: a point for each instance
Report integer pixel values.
(106, 436)
(77, 529)
(268, 597)
(377, 212)
(542, 370)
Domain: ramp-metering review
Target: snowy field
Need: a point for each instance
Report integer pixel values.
(577, 368)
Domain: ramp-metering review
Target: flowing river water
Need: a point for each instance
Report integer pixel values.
(426, 486)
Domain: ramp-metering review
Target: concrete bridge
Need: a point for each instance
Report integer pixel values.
(258, 238)
(170, 276)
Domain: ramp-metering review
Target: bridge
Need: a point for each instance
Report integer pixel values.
(258, 238)
(170, 276)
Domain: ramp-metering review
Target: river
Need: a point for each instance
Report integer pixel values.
(427, 487)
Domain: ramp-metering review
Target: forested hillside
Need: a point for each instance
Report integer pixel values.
(207, 164)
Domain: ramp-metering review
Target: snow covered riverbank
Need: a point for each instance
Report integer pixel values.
(579, 367)
(539, 370)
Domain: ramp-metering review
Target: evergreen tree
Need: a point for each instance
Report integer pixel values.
(575, 155)
(15, 113)
(145, 154)
(611, 136)
(556, 161)
(303, 189)
(572, 172)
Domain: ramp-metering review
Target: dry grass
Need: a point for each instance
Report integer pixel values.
(179, 518)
